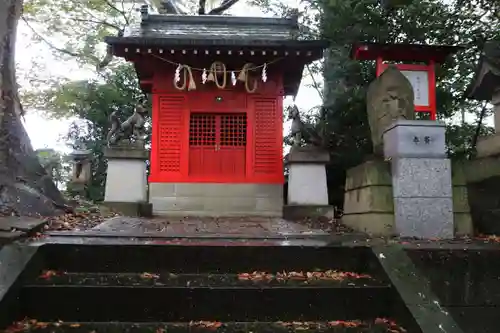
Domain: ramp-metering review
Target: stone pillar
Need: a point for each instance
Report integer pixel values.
(126, 179)
(421, 179)
(307, 185)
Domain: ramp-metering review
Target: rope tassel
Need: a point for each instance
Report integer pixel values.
(244, 76)
(188, 79)
(218, 69)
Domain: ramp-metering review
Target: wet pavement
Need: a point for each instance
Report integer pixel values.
(255, 227)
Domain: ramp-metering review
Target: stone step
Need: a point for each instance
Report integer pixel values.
(196, 258)
(333, 326)
(168, 303)
(256, 279)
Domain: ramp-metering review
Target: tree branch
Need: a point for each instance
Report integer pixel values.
(226, 4)
(111, 25)
(119, 11)
(315, 83)
(52, 46)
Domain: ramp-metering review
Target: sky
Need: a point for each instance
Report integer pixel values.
(46, 133)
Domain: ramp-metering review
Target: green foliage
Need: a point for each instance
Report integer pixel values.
(75, 29)
(55, 165)
(91, 102)
(345, 81)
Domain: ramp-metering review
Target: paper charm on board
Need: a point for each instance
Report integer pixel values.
(204, 76)
(264, 73)
(233, 78)
(177, 76)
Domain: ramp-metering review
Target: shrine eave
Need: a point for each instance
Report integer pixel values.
(403, 52)
(158, 42)
(484, 84)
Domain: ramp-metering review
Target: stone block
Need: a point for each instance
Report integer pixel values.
(370, 199)
(142, 209)
(424, 217)
(376, 224)
(308, 154)
(481, 169)
(458, 176)
(214, 199)
(463, 224)
(162, 189)
(300, 212)
(268, 204)
(421, 177)
(126, 181)
(376, 172)
(126, 152)
(415, 138)
(177, 203)
(307, 184)
(488, 146)
(460, 199)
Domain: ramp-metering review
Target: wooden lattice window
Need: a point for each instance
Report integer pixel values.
(267, 158)
(170, 132)
(202, 130)
(233, 130)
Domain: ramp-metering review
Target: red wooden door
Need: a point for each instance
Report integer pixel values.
(217, 146)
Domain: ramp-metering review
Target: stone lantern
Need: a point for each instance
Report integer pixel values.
(81, 173)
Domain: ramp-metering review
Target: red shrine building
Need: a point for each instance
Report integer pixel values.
(217, 86)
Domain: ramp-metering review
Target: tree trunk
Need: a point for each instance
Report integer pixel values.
(25, 187)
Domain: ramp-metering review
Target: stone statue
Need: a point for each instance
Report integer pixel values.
(297, 125)
(301, 131)
(132, 128)
(390, 97)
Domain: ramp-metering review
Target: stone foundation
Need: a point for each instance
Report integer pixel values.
(369, 207)
(300, 212)
(483, 181)
(141, 209)
(368, 200)
(216, 199)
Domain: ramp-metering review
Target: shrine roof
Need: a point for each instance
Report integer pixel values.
(402, 52)
(216, 30)
(486, 81)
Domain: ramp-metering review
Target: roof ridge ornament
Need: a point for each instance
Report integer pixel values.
(144, 12)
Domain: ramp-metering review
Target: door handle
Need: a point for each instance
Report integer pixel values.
(217, 148)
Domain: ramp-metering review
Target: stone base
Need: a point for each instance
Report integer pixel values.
(140, 209)
(216, 199)
(368, 201)
(307, 176)
(422, 192)
(307, 184)
(126, 181)
(369, 205)
(300, 212)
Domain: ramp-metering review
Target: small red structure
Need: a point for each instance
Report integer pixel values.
(421, 76)
(218, 84)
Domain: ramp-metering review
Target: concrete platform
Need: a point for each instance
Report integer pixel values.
(216, 199)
